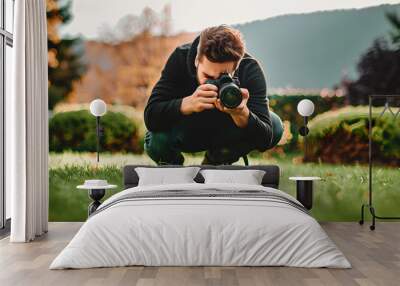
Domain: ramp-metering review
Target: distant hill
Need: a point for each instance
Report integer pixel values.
(314, 50)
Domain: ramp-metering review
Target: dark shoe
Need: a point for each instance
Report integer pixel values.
(207, 161)
(210, 159)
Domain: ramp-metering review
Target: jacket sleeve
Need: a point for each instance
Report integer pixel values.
(163, 108)
(259, 127)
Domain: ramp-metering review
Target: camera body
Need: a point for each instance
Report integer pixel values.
(228, 90)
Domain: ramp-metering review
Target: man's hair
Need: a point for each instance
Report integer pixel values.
(221, 44)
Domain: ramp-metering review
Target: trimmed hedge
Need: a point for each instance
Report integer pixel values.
(341, 136)
(76, 131)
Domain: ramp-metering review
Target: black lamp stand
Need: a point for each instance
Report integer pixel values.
(304, 132)
(96, 195)
(99, 133)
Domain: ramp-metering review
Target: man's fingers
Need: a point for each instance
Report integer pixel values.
(241, 105)
(208, 99)
(208, 86)
(245, 93)
(207, 93)
(207, 106)
(219, 105)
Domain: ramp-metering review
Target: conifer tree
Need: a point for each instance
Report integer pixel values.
(65, 55)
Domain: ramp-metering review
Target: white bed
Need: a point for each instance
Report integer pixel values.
(204, 230)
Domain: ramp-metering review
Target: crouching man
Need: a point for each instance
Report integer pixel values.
(211, 97)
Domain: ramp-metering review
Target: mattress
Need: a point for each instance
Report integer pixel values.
(201, 225)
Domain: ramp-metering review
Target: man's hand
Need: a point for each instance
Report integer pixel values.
(240, 114)
(203, 98)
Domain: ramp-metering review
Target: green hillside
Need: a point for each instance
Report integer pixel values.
(314, 50)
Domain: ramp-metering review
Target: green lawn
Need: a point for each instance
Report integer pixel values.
(337, 198)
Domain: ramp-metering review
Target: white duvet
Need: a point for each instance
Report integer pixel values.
(200, 231)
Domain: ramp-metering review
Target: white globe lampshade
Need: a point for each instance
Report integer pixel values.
(98, 107)
(305, 107)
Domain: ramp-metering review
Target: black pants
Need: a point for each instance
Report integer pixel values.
(222, 146)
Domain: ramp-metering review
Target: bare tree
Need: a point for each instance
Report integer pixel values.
(148, 20)
(106, 33)
(128, 27)
(131, 25)
(166, 20)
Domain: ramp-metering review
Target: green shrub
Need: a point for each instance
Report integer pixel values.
(76, 131)
(285, 106)
(341, 136)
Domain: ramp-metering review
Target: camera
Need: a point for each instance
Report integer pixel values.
(228, 90)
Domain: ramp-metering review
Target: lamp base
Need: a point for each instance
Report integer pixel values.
(96, 195)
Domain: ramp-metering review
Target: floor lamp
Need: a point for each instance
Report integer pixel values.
(98, 108)
(305, 108)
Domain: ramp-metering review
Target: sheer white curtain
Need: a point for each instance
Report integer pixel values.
(27, 124)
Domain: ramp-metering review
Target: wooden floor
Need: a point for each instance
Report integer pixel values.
(375, 257)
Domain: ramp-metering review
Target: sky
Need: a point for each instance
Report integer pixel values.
(193, 15)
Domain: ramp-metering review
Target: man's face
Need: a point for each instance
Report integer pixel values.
(209, 70)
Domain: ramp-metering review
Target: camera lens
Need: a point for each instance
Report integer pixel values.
(230, 95)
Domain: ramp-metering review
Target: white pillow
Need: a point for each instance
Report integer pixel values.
(249, 177)
(162, 176)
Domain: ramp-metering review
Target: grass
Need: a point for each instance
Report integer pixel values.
(337, 198)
